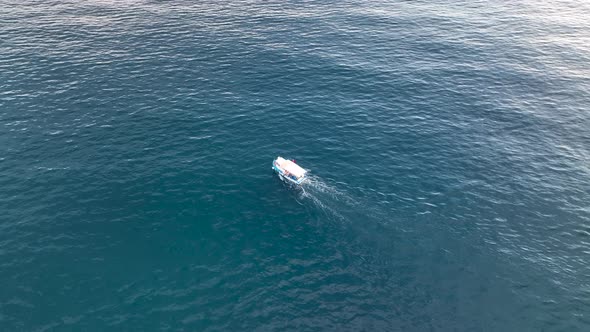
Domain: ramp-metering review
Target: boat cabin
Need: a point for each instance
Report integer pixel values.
(288, 170)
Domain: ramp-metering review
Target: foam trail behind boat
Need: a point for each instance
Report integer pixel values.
(328, 197)
(338, 199)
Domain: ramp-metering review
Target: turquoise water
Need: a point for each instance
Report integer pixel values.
(448, 144)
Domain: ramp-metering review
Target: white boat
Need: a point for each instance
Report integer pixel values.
(289, 171)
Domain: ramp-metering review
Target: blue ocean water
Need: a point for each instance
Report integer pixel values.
(448, 144)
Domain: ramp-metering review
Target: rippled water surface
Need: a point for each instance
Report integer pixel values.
(448, 142)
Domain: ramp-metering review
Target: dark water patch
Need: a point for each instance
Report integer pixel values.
(447, 143)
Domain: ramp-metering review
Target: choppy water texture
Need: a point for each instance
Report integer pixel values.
(449, 144)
